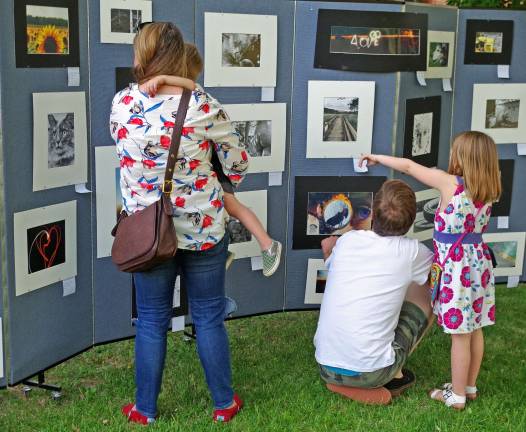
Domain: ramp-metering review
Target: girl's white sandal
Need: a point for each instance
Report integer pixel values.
(471, 391)
(449, 398)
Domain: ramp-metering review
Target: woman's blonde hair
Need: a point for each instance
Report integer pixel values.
(194, 61)
(474, 157)
(159, 50)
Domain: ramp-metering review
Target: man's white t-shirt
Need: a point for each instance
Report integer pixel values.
(366, 284)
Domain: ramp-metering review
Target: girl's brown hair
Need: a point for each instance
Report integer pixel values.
(159, 50)
(194, 61)
(474, 157)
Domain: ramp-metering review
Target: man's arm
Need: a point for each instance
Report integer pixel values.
(327, 245)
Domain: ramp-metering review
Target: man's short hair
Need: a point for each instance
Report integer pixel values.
(394, 209)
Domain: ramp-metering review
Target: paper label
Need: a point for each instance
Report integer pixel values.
(267, 94)
(513, 281)
(81, 188)
(275, 178)
(73, 76)
(521, 149)
(446, 85)
(177, 293)
(503, 222)
(69, 286)
(358, 168)
(503, 71)
(420, 77)
(257, 263)
(177, 324)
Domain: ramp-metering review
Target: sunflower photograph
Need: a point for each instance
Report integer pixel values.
(47, 30)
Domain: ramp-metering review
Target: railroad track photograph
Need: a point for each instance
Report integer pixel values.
(340, 118)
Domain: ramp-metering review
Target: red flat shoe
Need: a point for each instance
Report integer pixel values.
(227, 414)
(134, 416)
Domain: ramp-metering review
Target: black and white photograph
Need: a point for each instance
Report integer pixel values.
(340, 118)
(488, 42)
(237, 231)
(502, 113)
(422, 133)
(61, 139)
(241, 50)
(425, 214)
(255, 136)
(438, 54)
(125, 20)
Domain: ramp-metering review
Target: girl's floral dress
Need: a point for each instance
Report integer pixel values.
(142, 126)
(466, 299)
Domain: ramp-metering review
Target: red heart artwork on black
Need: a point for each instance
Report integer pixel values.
(45, 246)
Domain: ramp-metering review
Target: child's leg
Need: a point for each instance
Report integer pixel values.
(248, 219)
(460, 361)
(477, 352)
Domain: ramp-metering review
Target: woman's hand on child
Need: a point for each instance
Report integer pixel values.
(152, 85)
(370, 158)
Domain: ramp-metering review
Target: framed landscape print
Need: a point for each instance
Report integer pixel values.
(242, 242)
(316, 281)
(262, 130)
(340, 118)
(119, 19)
(240, 50)
(499, 110)
(508, 248)
(422, 130)
(489, 42)
(371, 41)
(45, 242)
(46, 33)
(325, 206)
(440, 54)
(503, 206)
(427, 202)
(59, 140)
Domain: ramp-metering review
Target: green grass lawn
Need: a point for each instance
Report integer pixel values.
(275, 373)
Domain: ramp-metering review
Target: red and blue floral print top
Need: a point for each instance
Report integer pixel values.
(142, 126)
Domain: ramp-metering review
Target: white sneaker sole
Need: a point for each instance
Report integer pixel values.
(276, 263)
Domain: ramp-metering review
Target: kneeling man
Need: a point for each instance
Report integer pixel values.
(375, 309)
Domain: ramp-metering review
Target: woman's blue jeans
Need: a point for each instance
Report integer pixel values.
(204, 275)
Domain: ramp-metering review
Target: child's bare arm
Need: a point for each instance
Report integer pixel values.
(152, 85)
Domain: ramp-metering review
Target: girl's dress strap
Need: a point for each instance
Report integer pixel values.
(460, 181)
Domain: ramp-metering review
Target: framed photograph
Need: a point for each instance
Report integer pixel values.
(262, 130)
(316, 281)
(371, 41)
(46, 33)
(503, 206)
(123, 78)
(422, 130)
(119, 19)
(340, 118)
(325, 206)
(508, 248)
(242, 242)
(499, 110)
(488, 42)
(108, 196)
(240, 50)
(427, 202)
(440, 54)
(45, 242)
(59, 140)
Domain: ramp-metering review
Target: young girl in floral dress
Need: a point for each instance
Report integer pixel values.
(466, 299)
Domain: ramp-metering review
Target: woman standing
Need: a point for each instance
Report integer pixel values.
(141, 127)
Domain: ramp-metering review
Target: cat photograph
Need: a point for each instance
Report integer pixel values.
(61, 139)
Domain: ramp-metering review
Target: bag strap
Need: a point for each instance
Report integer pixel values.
(176, 141)
(459, 241)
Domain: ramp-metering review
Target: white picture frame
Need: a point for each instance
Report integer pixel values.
(218, 73)
(415, 231)
(276, 113)
(482, 117)
(314, 266)
(109, 35)
(257, 202)
(27, 281)
(106, 164)
(323, 128)
(520, 238)
(434, 37)
(66, 172)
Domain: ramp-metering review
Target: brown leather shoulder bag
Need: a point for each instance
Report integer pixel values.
(147, 237)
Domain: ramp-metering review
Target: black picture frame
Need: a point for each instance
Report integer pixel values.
(501, 26)
(306, 184)
(416, 106)
(324, 59)
(503, 206)
(25, 60)
(123, 77)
